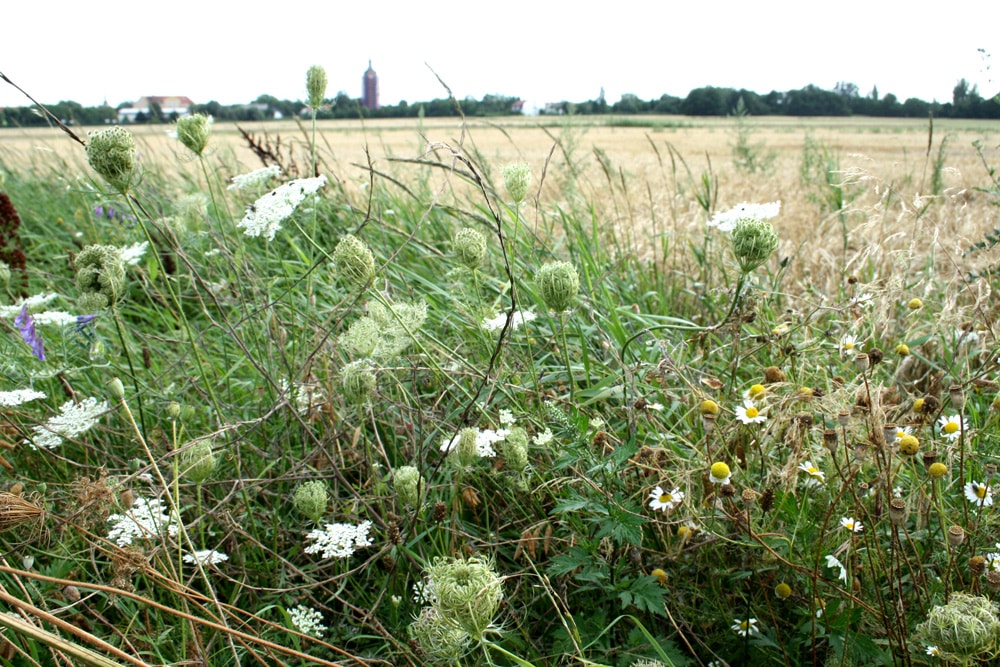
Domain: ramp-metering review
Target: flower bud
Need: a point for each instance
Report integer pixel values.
(470, 248)
(558, 283)
(515, 449)
(516, 179)
(116, 388)
(193, 132)
(354, 261)
(198, 461)
(909, 445)
(357, 379)
(310, 500)
(112, 154)
(753, 242)
(409, 485)
(316, 85)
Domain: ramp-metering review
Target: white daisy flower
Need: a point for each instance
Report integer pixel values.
(816, 476)
(850, 344)
(745, 628)
(850, 524)
(901, 431)
(979, 493)
(933, 650)
(834, 563)
(749, 413)
(953, 426)
(662, 500)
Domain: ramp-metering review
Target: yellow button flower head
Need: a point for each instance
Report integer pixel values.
(918, 405)
(660, 575)
(709, 407)
(902, 349)
(937, 470)
(756, 391)
(908, 444)
(915, 304)
(783, 590)
(720, 473)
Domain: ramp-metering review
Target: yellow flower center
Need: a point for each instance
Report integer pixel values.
(720, 470)
(752, 413)
(950, 427)
(848, 345)
(665, 498)
(812, 471)
(980, 491)
(744, 625)
(756, 390)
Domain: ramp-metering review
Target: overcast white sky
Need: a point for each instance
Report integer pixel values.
(538, 50)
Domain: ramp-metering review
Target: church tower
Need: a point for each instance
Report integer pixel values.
(369, 88)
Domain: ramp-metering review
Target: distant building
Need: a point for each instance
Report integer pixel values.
(169, 106)
(369, 88)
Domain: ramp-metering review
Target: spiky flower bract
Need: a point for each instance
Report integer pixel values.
(468, 592)
(112, 154)
(965, 628)
(469, 247)
(753, 242)
(316, 85)
(354, 261)
(193, 131)
(310, 499)
(558, 284)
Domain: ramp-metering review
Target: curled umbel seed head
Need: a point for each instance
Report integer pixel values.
(193, 131)
(516, 179)
(112, 154)
(966, 628)
(354, 261)
(468, 592)
(316, 85)
(409, 485)
(558, 283)
(753, 242)
(310, 499)
(100, 277)
(470, 248)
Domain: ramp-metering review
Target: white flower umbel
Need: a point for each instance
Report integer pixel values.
(146, 519)
(339, 540)
(10, 399)
(726, 220)
(497, 323)
(308, 621)
(255, 178)
(485, 439)
(34, 303)
(57, 317)
(132, 254)
(264, 216)
(206, 557)
(543, 438)
(73, 419)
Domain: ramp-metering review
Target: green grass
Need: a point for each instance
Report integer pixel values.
(239, 342)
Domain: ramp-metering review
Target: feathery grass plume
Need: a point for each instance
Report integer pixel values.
(558, 283)
(357, 379)
(354, 261)
(409, 485)
(100, 277)
(470, 248)
(753, 242)
(198, 461)
(310, 499)
(515, 449)
(965, 629)
(193, 132)
(468, 592)
(440, 642)
(516, 179)
(316, 85)
(112, 154)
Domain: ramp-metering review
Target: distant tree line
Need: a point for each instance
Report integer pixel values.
(844, 100)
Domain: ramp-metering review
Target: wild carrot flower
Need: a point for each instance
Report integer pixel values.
(816, 476)
(10, 399)
(73, 419)
(26, 325)
(517, 319)
(146, 519)
(863, 300)
(339, 540)
(469, 592)
(851, 525)
(316, 85)
(663, 500)
(306, 620)
(193, 131)
(132, 254)
(726, 220)
(749, 413)
(112, 154)
(264, 216)
(720, 473)
(543, 438)
(516, 179)
(469, 248)
(255, 178)
(558, 284)
(953, 426)
(834, 563)
(979, 493)
(206, 557)
(746, 628)
(484, 440)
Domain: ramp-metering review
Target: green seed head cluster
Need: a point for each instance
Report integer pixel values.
(316, 85)
(100, 277)
(357, 379)
(441, 642)
(516, 179)
(963, 629)
(354, 261)
(193, 132)
(386, 331)
(754, 241)
(198, 461)
(466, 451)
(470, 248)
(112, 154)
(558, 283)
(468, 592)
(515, 449)
(310, 500)
(409, 485)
